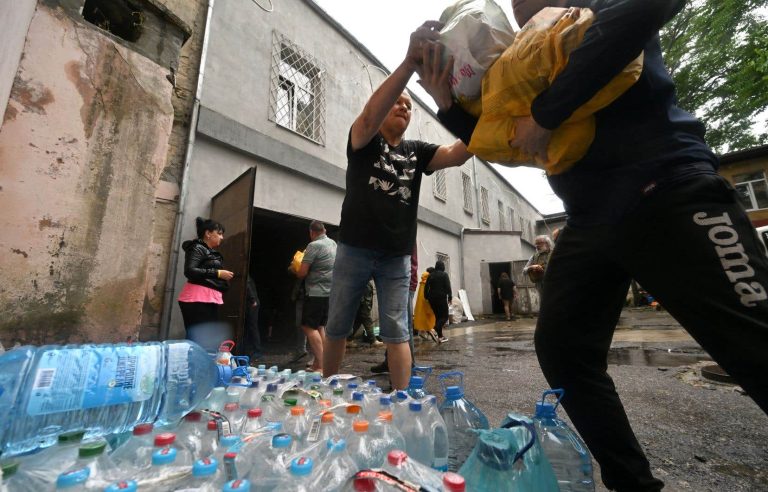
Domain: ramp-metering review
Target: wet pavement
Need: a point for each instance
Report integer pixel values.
(698, 434)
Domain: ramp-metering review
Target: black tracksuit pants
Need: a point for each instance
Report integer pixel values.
(693, 248)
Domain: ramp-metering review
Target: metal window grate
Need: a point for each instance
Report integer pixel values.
(446, 260)
(511, 218)
(523, 231)
(502, 222)
(466, 184)
(438, 185)
(485, 213)
(297, 98)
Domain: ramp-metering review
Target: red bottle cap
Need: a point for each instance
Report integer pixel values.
(231, 407)
(142, 429)
(165, 439)
(212, 425)
(254, 413)
(454, 482)
(194, 417)
(364, 485)
(397, 457)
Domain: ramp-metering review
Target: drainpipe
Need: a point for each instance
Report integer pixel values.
(477, 194)
(170, 278)
(461, 257)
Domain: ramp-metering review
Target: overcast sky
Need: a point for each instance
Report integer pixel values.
(384, 27)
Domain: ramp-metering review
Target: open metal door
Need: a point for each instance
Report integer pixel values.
(233, 208)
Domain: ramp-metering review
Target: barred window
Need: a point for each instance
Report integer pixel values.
(511, 218)
(485, 213)
(297, 98)
(446, 260)
(466, 184)
(523, 230)
(502, 221)
(438, 185)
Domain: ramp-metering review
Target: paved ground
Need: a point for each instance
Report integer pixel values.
(698, 435)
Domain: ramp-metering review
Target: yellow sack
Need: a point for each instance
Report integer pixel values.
(296, 261)
(423, 316)
(538, 54)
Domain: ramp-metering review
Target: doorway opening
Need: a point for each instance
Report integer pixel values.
(274, 240)
(495, 270)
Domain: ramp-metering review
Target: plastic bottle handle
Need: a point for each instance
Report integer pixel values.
(226, 346)
(442, 378)
(558, 392)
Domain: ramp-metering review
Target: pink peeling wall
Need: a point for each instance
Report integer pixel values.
(82, 146)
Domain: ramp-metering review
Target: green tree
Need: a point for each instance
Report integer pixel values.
(717, 52)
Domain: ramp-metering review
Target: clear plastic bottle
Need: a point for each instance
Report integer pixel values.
(416, 388)
(168, 440)
(439, 434)
(349, 390)
(122, 486)
(164, 474)
(300, 477)
(73, 480)
(216, 400)
(361, 446)
(252, 422)
(234, 415)
(189, 434)
(297, 425)
(237, 486)
(41, 468)
(226, 443)
(205, 474)
(272, 466)
(136, 452)
(385, 436)
(109, 388)
(337, 397)
(337, 466)
(400, 410)
(461, 418)
(11, 480)
(419, 443)
(252, 396)
(209, 443)
(401, 465)
(564, 448)
(331, 427)
(272, 405)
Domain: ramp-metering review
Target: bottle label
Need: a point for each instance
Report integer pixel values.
(79, 378)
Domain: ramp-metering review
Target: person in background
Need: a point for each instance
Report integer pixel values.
(297, 297)
(201, 296)
(364, 319)
(317, 271)
(437, 291)
(507, 292)
(378, 216)
(252, 335)
(537, 263)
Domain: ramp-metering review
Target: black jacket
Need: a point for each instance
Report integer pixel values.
(438, 286)
(201, 265)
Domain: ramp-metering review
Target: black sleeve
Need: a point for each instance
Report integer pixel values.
(448, 289)
(619, 33)
(458, 122)
(192, 261)
(428, 286)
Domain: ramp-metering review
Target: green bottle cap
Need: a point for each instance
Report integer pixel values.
(70, 437)
(290, 402)
(92, 449)
(10, 468)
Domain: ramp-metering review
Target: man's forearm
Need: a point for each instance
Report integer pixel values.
(381, 101)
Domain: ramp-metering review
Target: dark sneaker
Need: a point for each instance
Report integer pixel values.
(297, 356)
(380, 368)
(442, 339)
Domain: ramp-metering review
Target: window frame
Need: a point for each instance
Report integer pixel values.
(749, 185)
(485, 212)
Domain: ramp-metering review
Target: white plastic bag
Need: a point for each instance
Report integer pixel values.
(475, 33)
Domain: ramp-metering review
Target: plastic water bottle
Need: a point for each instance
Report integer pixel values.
(122, 486)
(168, 440)
(189, 434)
(350, 389)
(565, 450)
(100, 466)
(205, 473)
(400, 401)
(272, 467)
(73, 480)
(164, 473)
(385, 436)
(337, 467)
(418, 436)
(136, 452)
(252, 422)
(41, 468)
(106, 388)
(252, 396)
(209, 443)
(461, 418)
(297, 425)
(361, 447)
(403, 466)
(271, 404)
(234, 416)
(11, 479)
(416, 388)
(299, 478)
(331, 427)
(237, 486)
(439, 434)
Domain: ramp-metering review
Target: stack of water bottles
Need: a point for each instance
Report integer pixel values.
(167, 416)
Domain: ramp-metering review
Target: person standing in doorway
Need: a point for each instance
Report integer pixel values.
(378, 216)
(537, 263)
(317, 271)
(201, 296)
(507, 292)
(438, 294)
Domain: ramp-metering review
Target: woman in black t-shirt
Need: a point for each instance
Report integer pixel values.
(507, 292)
(437, 291)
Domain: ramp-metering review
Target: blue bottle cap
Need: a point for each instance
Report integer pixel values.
(432, 400)
(495, 448)
(402, 395)
(371, 382)
(334, 382)
(415, 406)
(317, 379)
(72, 478)
(281, 441)
(301, 466)
(164, 456)
(336, 444)
(545, 410)
(239, 485)
(122, 486)
(229, 440)
(357, 396)
(204, 467)
(262, 367)
(416, 382)
(352, 386)
(385, 400)
(453, 393)
(254, 384)
(272, 388)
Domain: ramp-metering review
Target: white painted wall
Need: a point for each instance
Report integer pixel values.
(15, 17)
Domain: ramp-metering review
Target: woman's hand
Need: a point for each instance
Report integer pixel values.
(226, 274)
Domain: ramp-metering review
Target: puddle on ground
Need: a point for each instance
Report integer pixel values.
(653, 358)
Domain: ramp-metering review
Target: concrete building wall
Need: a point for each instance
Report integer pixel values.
(759, 217)
(481, 248)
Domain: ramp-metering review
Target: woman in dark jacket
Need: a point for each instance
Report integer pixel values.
(437, 291)
(201, 296)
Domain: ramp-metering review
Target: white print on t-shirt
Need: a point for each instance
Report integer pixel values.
(733, 258)
(402, 178)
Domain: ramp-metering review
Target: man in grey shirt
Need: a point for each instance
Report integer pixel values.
(317, 270)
